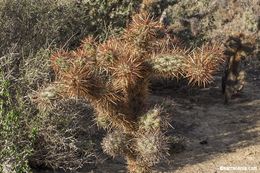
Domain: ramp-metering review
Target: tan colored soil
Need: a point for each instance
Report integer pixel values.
(210, 135)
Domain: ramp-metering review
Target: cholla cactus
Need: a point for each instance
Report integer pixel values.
(116, 143)
(45, 97)
(238, 47)
(169, 64)
(114, 77)
(201, 64)
(155, 119)
(151, 148)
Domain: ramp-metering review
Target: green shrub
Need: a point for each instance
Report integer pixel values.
(32, 24)
(17, 138)
(59, 137)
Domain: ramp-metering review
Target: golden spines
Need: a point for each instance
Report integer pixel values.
(142, 30)
(169, 63)
(116, 143)
(201, 64)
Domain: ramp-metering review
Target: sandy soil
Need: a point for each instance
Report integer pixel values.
(207, 134)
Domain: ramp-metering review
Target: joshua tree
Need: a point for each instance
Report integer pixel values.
(113, 76)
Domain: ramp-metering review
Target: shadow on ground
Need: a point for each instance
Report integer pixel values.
(207, 134)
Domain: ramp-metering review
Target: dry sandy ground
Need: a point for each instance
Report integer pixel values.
(216, 135)
(208, 134)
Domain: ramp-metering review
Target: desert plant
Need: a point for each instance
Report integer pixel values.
(55, 137)
(221, 21)
(18, 137)
(196, 20)
(238, 48)
(114, 77)
(67, 143)
(27, 28)
(32, 25)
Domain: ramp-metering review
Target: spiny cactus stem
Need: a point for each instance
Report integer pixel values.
(134, 167)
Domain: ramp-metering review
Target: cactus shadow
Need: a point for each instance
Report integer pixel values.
(212, 134)
(206, 133)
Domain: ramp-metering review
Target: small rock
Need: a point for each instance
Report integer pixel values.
(204, 142)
